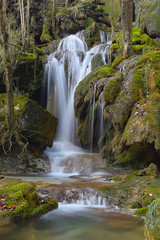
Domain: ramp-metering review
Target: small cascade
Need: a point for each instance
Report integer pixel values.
(102, 37)
(101, 119)
(92, 117)
(87, 197)
(66, 67)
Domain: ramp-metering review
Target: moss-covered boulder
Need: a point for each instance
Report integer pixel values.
(20, 200)
(141, 133)
(130, 95)
(88, 89)
(152, 221)
(35, 127)
(35, 123)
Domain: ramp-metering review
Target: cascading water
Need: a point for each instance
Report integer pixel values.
(102, 37)
(101, 120)
(92, 119)
(66, 67)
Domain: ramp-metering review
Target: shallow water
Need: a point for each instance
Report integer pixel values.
(73, 222)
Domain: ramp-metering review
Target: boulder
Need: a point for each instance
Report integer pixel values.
(152, 221)
(36, 128)
(19, 200)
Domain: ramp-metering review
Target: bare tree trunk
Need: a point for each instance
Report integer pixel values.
(23, 27)
(66, 3)
(28, 18)
(53, 15)
(112, 29)
(7, 65)
(126, 20)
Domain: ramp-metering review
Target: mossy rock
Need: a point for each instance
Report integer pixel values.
(20, 200)
(117, 61)
(83, 90)
(146, 75)
(152, 221)
(37, 125)
(112, 88)
(143, 125)
(141, 211)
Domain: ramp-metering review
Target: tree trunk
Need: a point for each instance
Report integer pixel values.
(54, 15)
(23, 28)
(28, 18)
(7, 65)
(126, 21)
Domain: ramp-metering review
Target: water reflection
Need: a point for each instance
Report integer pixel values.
(72, 222)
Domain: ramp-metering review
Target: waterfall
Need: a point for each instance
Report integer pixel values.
(66, 67)
(102, 37)
(92, 118)
(101, 120)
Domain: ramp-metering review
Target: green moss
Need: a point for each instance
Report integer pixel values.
(145, 39)
(91, 33)
(137, 85)
(104, 72)
(147, 201)
(114, 46)
(40, 52)
(83, 133)
(143, 124)
(152, 170)
(27, 57)
(82, 92)
(19, 104)
(22, 201)
(152, 221)
(112, 88)
(131, 154)
(141, 211)
(140, 41)
(138, 48)
(117, 61)
(137, 32)
(45, 36)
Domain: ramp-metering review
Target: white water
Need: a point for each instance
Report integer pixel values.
(102, 37)
(92, 120)
(65, 69)
(101, 119)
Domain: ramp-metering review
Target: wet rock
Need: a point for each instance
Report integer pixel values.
(152, 220)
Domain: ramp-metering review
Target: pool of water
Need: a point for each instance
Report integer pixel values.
(75, 222)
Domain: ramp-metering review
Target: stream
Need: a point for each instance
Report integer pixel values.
(76, 222)
(89, 217)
